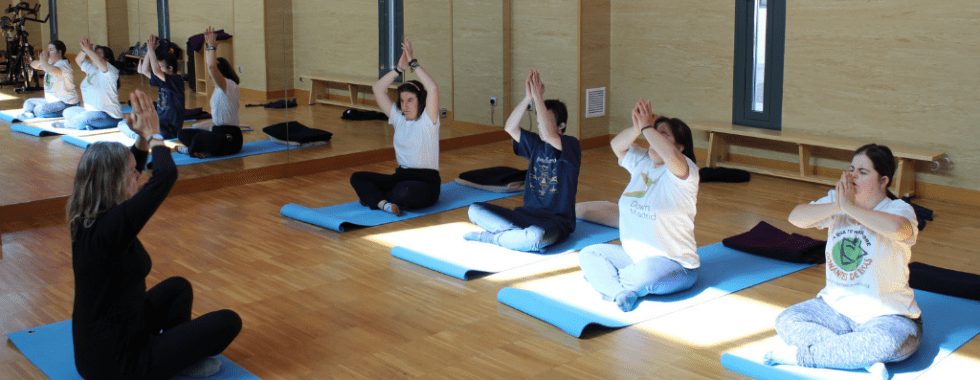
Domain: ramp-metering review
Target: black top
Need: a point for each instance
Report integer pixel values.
(170, 108)
(552, 179)
(110, 267)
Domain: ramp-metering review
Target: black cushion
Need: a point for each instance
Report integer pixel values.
(297, 132)
(768, 241)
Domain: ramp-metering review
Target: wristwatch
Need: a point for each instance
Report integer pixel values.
(155, 136)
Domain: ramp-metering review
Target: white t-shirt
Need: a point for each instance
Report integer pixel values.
(867, 273)
(657, 209)
(416, 142)
(99, 89)
(224, 107)
(61, 87)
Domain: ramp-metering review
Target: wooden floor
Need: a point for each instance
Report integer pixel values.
(318, 304)
(50, 163)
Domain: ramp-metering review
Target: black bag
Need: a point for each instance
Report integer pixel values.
(283, 103)
(944, 281)
(292, 131)
(723, 175)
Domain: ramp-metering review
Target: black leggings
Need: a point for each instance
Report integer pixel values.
(408, 188)
(183, 341)
(221, 140)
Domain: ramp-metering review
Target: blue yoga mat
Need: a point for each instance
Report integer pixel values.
(248, 149)
(44, 129)
(571, 304)
(444, 250)
(947, 323)
(50, 348)
(340, 217)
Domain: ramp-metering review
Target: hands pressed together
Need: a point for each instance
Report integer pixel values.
(533, 86)
(643, 115)
(143, 119)
(210, 37)
(845, 192)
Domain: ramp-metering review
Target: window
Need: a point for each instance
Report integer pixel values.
(760, 28)
(390, 32)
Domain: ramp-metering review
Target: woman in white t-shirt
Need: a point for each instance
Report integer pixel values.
(866, 315)
(100, 91)
(59, 84)
(655, 215)
(415, 116)
(224, 136)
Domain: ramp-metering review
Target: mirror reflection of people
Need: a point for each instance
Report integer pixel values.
(121, 330)
(415, 116)
(223, 136)
(548, 214)
(100, 90)
(59, 84)
(655, 215)
(866, 315)
(162, 73)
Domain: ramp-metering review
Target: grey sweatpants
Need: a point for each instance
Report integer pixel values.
(610, 270)
(828, 339)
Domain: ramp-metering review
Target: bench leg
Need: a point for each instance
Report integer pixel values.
(316, 90)
(353, 90)
(904, 182)
(717, 148)
(805, 168)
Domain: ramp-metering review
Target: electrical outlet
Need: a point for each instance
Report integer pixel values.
(239, 69)
(443, 113)
(493, 100)
(530, 106)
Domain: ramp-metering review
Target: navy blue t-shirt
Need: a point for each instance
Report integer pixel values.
(552, 179)
(170, 106)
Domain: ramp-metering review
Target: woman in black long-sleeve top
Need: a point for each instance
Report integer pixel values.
(121, 330)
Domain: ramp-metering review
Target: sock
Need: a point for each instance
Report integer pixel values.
(58, 124)
(391, 208)
(879, 371)
(482, 236)
(781, 353)
(626, 300)
(203, 368)
(183, 149)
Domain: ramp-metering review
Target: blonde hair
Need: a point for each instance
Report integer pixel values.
(100, 184)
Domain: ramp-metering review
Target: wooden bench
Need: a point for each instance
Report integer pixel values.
(903, 184)
(323, 83)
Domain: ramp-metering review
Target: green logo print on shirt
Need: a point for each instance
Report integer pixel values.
(848, 254)
(47, 80)
(640, 194)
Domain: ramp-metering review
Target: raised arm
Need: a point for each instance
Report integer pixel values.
(513, 124)
(675, 160)
(380, 88)
(211, 57)
(432, 99)
(546, 120)
(41, 63)
(80, 57)
(625, 139)
(889, 225)
(151, 55)
(87, 48)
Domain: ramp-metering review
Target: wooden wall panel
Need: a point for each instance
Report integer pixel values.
(279, 45)
(429, 25)
(545, 37)
(594, 68)
(334, 37)
(478, 54)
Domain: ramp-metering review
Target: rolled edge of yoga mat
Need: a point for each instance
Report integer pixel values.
(429, 262)
(311, 216)
(543, 308)
(33, 131)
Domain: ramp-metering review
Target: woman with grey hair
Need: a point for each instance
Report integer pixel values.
(121, 330)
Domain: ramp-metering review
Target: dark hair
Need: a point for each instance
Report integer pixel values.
(560, 111)
(107, 54)
(171, 61)
(60, 46)
(413, 87)
(883, 161)
(227, 71)
(682, 134)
